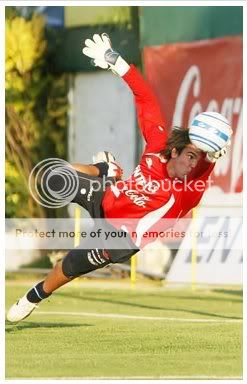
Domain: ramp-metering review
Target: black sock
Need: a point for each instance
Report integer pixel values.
(37, 293)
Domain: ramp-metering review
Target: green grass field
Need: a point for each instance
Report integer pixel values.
(106, 330)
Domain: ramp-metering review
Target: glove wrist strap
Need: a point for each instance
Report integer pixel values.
(121, 67)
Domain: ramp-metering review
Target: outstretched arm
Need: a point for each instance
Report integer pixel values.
(149, 115)
(150, 119)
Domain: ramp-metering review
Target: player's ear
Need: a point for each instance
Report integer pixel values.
(174, 153)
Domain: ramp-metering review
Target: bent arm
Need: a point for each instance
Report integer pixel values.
(198, 185)
(90, 169)
(202, 170)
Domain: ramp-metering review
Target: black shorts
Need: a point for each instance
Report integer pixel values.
(89, 194)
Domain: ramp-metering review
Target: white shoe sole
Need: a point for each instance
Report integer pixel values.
(20, 310)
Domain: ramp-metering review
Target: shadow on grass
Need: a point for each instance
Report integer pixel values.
(236, 296)
(149, 307)
(234, 292)
(203, 298)
(175, 296)
(40, 325)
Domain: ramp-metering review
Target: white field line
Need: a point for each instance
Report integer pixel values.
(193, 377)
(132, 317)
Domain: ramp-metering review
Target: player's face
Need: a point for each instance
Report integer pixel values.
(184, 162)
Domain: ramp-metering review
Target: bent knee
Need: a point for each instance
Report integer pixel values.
(81, 261)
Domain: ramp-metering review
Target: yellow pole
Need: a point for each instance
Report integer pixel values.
(133, 262)
(77, 226)
(194, 249)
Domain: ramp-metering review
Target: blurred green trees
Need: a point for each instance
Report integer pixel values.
(36, 112)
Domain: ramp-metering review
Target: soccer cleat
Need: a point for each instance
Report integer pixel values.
(20, 310)
(114, 169)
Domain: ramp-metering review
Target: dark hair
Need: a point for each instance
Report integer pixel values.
(179, 139)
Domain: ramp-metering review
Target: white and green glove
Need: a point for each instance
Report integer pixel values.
(214, 156)
(99, 49)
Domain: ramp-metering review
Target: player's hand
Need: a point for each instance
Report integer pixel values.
(99, 49)
(214, 156)
(114, 170)
(96, 49)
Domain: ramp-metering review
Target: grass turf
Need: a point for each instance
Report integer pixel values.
(49, 345)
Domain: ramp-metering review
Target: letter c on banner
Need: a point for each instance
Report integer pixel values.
(193, 74)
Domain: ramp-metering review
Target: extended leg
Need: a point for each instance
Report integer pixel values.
(55, 279)
(77, 262)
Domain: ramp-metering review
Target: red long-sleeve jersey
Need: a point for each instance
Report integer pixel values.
(138, 204)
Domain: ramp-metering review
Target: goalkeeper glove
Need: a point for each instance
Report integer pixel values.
(114, 170)
(214, 156)
(99, 49)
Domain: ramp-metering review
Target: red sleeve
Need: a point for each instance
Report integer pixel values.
(202, 170)
(198, 185)
(149, 115)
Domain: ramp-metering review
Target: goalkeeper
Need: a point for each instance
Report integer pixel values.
(155, 191)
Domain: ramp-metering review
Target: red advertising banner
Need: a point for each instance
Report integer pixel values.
(189, 78)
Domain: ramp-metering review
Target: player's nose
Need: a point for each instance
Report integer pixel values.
(193, 163)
